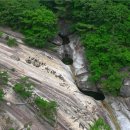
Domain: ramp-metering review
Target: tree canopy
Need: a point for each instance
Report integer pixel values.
(36, 22)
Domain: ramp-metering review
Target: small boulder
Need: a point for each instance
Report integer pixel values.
(37, 64)
(28, 61)
(125, 89)
(57, 40)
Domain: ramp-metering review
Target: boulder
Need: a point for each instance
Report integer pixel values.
(57, 40)
(125, 89)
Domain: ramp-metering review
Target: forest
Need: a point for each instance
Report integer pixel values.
(103, 27)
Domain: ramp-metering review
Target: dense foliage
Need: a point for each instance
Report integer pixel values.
(104, 27)
(107, 40)
(38, 26)
(100, 125)
(37, 23)
(24, 87)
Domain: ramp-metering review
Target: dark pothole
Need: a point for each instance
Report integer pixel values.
(95, 95)
(67, 60)
(65, 39)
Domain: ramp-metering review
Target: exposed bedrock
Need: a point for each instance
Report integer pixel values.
(56, 81)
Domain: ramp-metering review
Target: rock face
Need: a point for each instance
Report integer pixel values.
(76, 52)
(54, 81)
(119, 109)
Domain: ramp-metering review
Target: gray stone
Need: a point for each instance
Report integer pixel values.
(125, 89)
(57, 40)
(37, 64)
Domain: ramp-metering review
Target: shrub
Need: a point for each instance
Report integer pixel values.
(47, 109)
(11, 129)
(12, 42)
(3, 77)
(1, 94)
(1, 33)
(24, 88)
(13, 69)
(100, 125)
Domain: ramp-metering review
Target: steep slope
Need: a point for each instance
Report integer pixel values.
(53, 81)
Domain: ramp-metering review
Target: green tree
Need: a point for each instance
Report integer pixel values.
(38, 26)
(12, 10)
(36, 22)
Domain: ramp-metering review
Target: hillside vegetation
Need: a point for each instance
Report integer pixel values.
(104, 27)
(36, 22)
